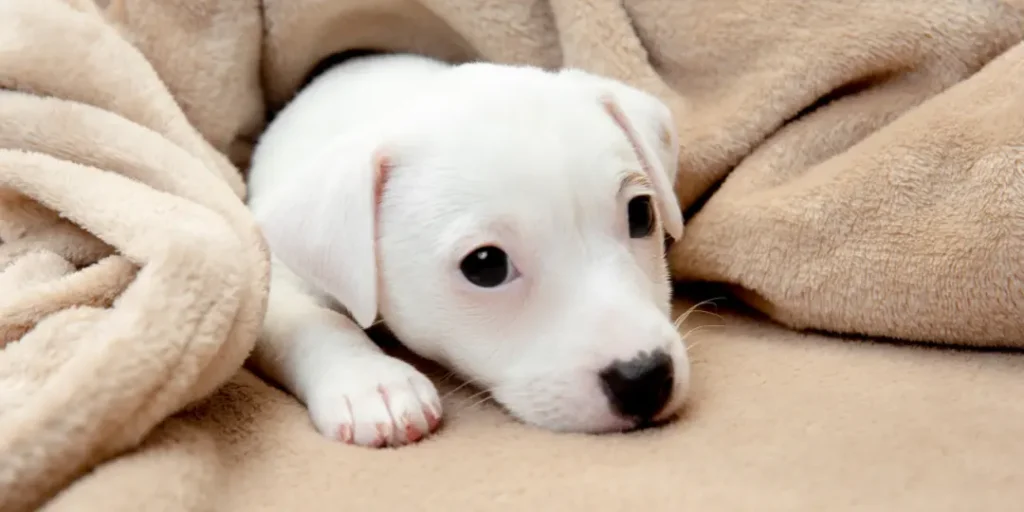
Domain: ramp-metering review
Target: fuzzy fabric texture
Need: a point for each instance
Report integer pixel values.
(847, 167)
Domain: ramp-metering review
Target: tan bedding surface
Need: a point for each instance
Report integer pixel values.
(854, 168)
(781, 421)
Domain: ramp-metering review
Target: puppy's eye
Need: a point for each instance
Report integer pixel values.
(488, 267)
(641, 216)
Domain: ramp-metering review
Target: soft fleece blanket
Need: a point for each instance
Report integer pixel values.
(852, 168)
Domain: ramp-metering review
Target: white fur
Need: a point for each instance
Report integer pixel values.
(467, 155)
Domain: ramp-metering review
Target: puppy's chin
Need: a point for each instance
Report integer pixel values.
(560, 413)
(573, 400)
(561, 405)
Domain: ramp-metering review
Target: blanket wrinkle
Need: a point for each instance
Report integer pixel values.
(100, 346)
(147, 102)
(851, 168)
(887, 206)
(189, 52)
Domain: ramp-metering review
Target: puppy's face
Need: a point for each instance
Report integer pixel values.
(519, 226)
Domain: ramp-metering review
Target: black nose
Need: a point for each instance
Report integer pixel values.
(640, 387)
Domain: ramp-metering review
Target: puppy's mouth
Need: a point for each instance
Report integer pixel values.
(635, 395)
(554, 413)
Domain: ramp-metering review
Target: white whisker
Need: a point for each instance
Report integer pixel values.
(694, 309)
(480, 402)
(468, 382)
(699, 327)
(470, 402)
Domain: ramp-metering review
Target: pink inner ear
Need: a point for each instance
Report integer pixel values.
(620, 119)
(673, 226)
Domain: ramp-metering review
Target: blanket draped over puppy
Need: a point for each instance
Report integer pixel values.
(846, 167)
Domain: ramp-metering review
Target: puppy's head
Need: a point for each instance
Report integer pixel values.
(512, 228)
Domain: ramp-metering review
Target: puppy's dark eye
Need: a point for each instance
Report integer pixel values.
(641, 216)
(487, 267)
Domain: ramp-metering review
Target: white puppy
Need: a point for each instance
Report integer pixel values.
(504, 221)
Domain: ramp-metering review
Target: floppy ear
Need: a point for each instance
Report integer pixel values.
(648, 125)
(323, 224)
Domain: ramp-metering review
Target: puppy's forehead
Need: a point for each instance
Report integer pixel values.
(523, 122)
(519, 146)
(532, 155)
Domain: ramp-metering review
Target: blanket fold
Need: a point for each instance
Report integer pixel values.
(915, 232)
(850, 167)
(133, 279)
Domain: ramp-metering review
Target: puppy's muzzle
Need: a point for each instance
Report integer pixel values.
(639, 388)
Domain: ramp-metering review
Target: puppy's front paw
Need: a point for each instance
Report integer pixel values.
(377, 401)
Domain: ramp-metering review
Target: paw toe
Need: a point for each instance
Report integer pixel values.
(345, 433)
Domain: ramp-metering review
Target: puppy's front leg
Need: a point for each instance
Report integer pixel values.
(354, 392)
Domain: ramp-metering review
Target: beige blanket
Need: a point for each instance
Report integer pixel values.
(850, 167)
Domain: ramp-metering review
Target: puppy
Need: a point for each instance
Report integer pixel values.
(505, 221)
